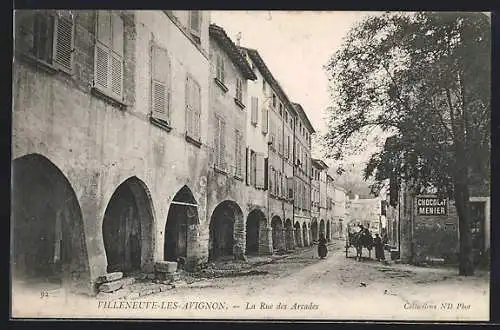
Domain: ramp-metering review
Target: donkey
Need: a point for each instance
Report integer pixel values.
(360, 240)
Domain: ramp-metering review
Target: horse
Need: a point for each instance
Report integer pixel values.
(360, 240)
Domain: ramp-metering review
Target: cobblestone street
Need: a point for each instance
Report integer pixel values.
(334, 288)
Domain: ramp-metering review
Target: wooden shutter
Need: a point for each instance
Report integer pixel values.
(266, 173)
(265, 121)
(222, 141)
(196, 110)
(189, 106)
(217, 142)
(63, 47)
(117, 56)
(247, 169)
(102, 60)
(255, 110)
(237, 153)
(195, 22)
(160, 93)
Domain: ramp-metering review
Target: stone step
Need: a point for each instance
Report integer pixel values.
(166, 266)
(116, 285)
(109, 277)
(118, 294)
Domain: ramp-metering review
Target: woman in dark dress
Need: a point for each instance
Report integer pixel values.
(379, 248)
(322, 250)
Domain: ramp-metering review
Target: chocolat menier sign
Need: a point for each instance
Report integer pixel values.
(431, 206)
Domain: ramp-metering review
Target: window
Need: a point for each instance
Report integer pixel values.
(195, 24)
(289, 185)
(238, 153)
(239, 90)
(286, 117)
(264, 86)
(265, 121)
(281, 109)
(220, 143)
(47, 36)
(160, 84)
(274, 100)
(220, 68)
(255, 111)
(193, 108)
(108, 61)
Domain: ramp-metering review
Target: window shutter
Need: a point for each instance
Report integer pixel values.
(266, 173)
(217, 142)
(160, 94)
(223, 144)
(117, 34)
(189, 107)
(101, 66)
(247, 169)
(290, 187)
(104, 33)
(237, 153)
(195, 22)
(255, 109)
(197, 113)
(265, 122)
(116, 75)
(63, 48)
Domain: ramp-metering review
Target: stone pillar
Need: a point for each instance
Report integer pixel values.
(282, 239)
(239, 239)
(289, 238)
(266, 241)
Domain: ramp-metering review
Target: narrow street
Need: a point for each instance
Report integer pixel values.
(298, 286)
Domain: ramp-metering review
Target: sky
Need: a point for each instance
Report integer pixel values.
(295, 45)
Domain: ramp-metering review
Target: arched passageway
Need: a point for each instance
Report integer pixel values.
(305, 234)
(255, 230)
(182, 220)
(278, 233)
(314, 230)
(48, 243)
(298, 234)
(128, 228)
(322, 228)
(289, 240)
(222, 239)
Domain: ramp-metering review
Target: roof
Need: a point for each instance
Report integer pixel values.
(319, 163)
(302, 114)
(220, 36)
(268, 76)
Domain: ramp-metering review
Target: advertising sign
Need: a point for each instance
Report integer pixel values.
(431, 206)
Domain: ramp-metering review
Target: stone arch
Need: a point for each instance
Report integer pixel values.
(305, 234)
(298, 234)
(181, 225)
(256, 232)
(289, 239)
(322, 227)
(225, 232)
(127, 228)
(314, 230)
(48, 233)
(278, 233)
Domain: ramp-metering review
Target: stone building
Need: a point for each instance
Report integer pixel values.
(278, 112)
(109, 158)
(302, 173)
(340, 215)
(365, 211)
(226, 192)
(320, 221)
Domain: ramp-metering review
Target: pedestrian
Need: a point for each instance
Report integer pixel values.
(379, 248)
(315, 249)
(322, 250)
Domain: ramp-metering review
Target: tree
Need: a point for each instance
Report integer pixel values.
(424, 80)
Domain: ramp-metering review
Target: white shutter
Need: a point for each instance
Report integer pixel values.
(116, 75)
(63, 48)
(255, 109)
(101, 66)
(196, 110)
(189, 107)
(117, 34)
(104, 33)
(195, 22)
(160, 94)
